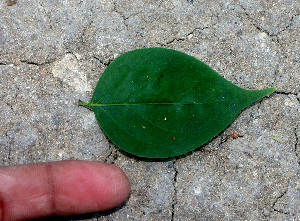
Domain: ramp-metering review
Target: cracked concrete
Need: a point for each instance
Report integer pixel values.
(52, 54)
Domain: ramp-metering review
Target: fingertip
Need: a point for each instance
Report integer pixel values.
(88, 187)
(121, 184)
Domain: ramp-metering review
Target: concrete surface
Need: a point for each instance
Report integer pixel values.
(52, 54)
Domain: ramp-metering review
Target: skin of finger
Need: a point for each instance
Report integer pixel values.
(24, 189)
(61, 188)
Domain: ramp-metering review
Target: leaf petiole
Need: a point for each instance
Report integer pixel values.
(81, 103)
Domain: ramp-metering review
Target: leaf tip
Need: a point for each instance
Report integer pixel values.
(272, 89)
(269, 91)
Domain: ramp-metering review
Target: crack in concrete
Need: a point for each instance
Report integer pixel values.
(284, 93)
(174, 39)
(112, 155)
(74, 55)
(296, 145)
(37, 64)
(9, 144)
(108, 156)
(9, 105)
(9, 153)
(289, 180)
(42, 63)
(224, 139)
(30, 62)
(266, 30)
(276, 200)
(103, 62)
(174, 200)
(115, 9)
(184, 37)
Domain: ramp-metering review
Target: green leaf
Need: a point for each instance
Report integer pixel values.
(160, 103)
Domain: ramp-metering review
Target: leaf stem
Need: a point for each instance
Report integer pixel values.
(81, 103)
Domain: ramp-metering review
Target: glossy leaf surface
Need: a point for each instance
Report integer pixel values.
(159, 103)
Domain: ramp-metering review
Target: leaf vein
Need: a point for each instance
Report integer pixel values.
(162, 103)
(133, 93)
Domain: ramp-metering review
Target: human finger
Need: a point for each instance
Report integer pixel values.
(60, 188)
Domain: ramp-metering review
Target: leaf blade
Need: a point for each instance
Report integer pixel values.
(159, 103)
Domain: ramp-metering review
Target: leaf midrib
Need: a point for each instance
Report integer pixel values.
(154, 103)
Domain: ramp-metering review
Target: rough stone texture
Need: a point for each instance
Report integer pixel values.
(53, 53)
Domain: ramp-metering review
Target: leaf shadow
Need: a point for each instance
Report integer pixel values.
(145, 159)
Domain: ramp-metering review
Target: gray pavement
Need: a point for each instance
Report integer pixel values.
(52, 54)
